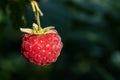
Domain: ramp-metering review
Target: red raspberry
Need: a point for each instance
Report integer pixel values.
(41, 47)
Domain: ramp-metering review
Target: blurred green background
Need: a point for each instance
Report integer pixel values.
(90, 31)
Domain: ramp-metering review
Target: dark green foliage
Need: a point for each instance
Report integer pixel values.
(90, 31)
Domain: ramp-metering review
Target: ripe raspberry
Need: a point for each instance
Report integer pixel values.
(41, 49)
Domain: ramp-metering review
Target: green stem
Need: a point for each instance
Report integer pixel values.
(37, 12)
(38, 20)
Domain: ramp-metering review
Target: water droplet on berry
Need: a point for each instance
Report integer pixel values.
(47, 45)
(49, 38)
(43, 51)
(38, 48)
(35, 40)
(41, 41)
(49, 52)
(53, 46)
(53, 60)
(44, 57)
(38, 55)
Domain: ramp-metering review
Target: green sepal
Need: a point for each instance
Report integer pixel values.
(26, 30)
(38, 31)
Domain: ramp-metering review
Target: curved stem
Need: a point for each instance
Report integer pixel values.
(38, 13)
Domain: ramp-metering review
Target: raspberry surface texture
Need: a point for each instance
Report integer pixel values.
(41, 49)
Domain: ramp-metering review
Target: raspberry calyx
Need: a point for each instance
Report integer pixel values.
(37, 31)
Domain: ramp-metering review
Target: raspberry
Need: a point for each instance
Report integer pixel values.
(41, 49)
